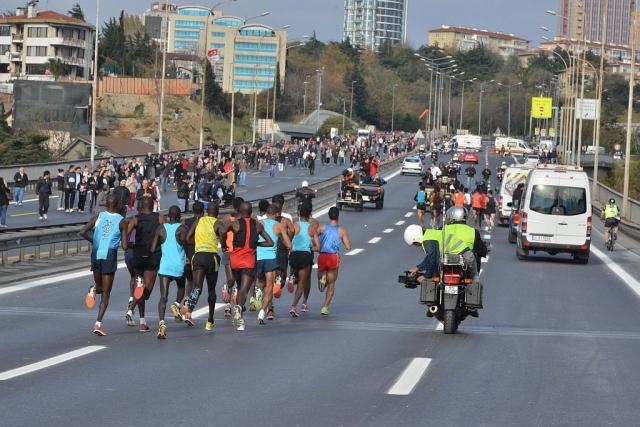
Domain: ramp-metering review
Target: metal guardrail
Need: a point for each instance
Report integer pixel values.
(631, 224)
(53, 241)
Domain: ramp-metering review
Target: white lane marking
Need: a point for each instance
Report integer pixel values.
(354, 251)
(619, 271)
(56, 360)
(49, 281)
(32, 200)
(407, 381)
(440, 326)
(485, 259)
(399, 222)
(393, 175)
(204, 310)
(387, 230)
(375, 240)
(408, 214)
(315, 266)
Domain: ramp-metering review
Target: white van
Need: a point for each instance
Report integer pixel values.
(464, 142)
(517, 146)
(513, 176)
(555, 213)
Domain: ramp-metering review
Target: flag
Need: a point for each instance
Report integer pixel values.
(423, 114)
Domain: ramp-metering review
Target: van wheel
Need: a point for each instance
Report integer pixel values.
(522, 254)
(581, 257)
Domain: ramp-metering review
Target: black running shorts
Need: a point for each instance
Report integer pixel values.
(300, 259)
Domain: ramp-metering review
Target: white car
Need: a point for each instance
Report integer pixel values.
(532, 159)
(411, 165)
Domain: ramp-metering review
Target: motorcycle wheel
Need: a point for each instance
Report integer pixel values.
(450, 325)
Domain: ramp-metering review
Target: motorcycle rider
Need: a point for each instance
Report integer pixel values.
(430, 241)
(611, 217)
(304, 193)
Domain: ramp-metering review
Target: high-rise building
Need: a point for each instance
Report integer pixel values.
(372, 23)
(583, 18)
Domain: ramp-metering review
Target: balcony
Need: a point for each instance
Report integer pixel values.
(15, 56)
(63, 41)
(17, 38)
(72, 60)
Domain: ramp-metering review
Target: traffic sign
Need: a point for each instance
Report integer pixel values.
(552, 132)
(541, 107)
(536, 131)
(587, 109)
(543, 132)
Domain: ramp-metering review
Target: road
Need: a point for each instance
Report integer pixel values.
(259, 185)
(556, 344)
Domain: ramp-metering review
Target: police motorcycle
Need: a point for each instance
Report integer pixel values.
(449, 290)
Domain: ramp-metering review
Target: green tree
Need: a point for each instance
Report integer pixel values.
(20, 148)
(214, 100)
(76, 12)
(57, 67)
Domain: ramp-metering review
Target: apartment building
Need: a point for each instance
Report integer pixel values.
(462, 39)
(370, 24)
(584, 18)
(31, 38)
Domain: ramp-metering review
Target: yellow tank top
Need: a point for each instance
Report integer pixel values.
(206, 237)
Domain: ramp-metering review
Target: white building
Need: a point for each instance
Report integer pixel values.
(371, 23)
(31, 38)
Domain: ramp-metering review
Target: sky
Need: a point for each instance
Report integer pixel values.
(520, 17)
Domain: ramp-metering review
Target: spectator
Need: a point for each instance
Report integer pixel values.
(20, 180)
(5, 196)
(145, 191)
(123, 195)
(60, 184)
(69, 188)
(101, 199)
(83, 188)
(43, 190)
(184, 189)
(132, 186)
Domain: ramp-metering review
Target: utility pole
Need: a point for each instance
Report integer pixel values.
(351, 105)
(594, 184)
(318, 98)
(393, 107)
(94, 89)
(480, 111)
(164, 71)
(304, 99)
(627, 152)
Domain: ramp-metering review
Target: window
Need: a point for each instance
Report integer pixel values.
(193, 12)
(4, 48)
(185, 45)
(82, 34)
(228, 22)
(36, 51)
(557, 200)
(217, 45)
(260, 72)
(37, 32)
(189, 24)
(218, 34)
(253, 59)
(259, 47)
(37, 69)
(81, 53)
(259, 32)
(187, 34)
(5, 30)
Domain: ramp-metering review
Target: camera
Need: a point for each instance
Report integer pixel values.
(409, 281)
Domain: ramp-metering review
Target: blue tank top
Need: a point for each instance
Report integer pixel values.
(268, 252)
(422, 197)
(330, 241)
(173, 257)
(106, 234)
(302, 241)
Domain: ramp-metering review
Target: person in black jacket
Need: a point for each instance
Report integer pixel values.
(20, 180)
(184, 190)
(43, 190)
(70, 184)
(122, 193)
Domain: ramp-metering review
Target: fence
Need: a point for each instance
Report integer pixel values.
(142, 86)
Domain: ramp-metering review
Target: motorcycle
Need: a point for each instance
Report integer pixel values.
(451, 296)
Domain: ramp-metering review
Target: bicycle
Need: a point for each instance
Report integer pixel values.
(613, 236)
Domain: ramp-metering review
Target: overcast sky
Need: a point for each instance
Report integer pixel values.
(521, 17)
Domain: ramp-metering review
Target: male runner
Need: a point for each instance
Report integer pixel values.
(190, 250)
(332, 236)
(205, 263)
(108, 228)
(172, 263)
(145, 262)
(304, 242)
(225, 262)
(243, 256)
(282, 255)
(267, 258)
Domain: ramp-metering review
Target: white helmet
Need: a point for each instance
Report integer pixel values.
(413, 234)
(305, 183)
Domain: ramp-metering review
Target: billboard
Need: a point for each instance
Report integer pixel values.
(541, 107)
(54, 106)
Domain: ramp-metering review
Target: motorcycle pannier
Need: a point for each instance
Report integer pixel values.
(428, 293)
(473, 295)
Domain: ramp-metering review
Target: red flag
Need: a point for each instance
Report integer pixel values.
(423, 114)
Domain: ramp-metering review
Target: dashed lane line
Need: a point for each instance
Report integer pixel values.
(617, 270)
(408, 214)
(399, 222)
(375, 240)
(387, 230)
(413, 373)
(52, 361)
(354, 251)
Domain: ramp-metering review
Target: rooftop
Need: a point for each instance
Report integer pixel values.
(45, 17)
(125, 147)
(475, 31)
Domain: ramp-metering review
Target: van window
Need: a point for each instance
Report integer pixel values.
(558, 200)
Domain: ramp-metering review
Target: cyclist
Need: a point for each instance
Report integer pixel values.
(611, 217)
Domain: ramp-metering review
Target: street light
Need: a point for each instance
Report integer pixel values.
(393, 106)
(263, 14)
(509, 87)
(351, 106)
(462, 97)
(94, 89)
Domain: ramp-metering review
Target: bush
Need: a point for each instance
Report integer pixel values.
(138, 112)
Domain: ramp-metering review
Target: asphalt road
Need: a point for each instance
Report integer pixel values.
(556, 344)
(259, 185)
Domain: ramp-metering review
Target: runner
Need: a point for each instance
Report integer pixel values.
(282, 254)
(171, 238)
(205, 263)
(267, 260)
(304, 243)
(421, 203)
(332, 236)
(243, 256)
(108, 228)
(190, 250)
(145, 262)
(228, 287)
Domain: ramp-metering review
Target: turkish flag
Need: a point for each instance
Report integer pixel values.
(423, 114)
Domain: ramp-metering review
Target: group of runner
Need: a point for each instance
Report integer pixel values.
(255, 252)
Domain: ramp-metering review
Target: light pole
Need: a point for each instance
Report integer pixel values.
(275, 89)
(318, 97)
(432, 65)
(509, 87)
(94, 89)
(627, 152)
(304, 97)
(480, 108)
(165, 41)
(393, 106)
(462, 97)
(351, 105)
(594, 185)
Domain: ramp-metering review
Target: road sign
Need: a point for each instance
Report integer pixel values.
(537, 131)
(541, 107)
(543, 132)
(213, 54)
(587, 109)
(552, 132)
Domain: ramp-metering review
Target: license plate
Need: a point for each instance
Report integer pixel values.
(539, 238)
(453, 290)
(365, 198)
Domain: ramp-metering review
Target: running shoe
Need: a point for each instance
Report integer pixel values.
(237, 314)
(130, 306)
(226, 297)
(322, 283)
(184, 310)
(162, 330)
(227, 311)
(210, 325)
(188, 320)
(175, 310)
(277, 290)
(270, 314)
(99, 331)
(291, 284)
(304, 308)
(143, 327)
(129, 317)
(234, 295)
(293, 312)
(261, 317)
(258, 298)
(240, 325)
(324, 311)
(252, 304)
(90, 299)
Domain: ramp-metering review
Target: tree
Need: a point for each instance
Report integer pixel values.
(214, 99)
(76, 12)
(20, 148)
(57, 67)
